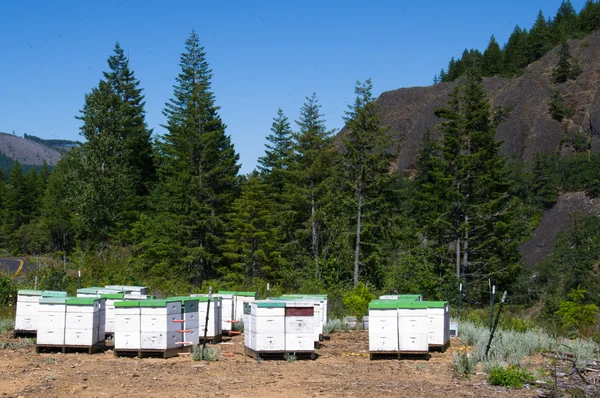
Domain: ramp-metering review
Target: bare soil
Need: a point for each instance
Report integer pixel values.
(343, 369)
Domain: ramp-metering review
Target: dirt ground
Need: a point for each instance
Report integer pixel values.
(343, 369)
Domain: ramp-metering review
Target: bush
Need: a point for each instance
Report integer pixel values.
(6, 324)
(576, 316)
(333, 325)
(209, 353)
(7, 288)
(511, 377)
(465, 363)
(356, 300)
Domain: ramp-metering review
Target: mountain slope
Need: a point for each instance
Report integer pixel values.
(27, 152)
(528, 129)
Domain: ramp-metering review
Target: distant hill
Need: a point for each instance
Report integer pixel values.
(29, 152)
(528, 129)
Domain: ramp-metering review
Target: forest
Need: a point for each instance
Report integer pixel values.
(322, 213)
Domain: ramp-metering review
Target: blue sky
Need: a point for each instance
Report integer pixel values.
(265, 54)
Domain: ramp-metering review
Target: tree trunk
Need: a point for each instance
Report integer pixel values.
(458, 258)
(313, 227)
(466, 247)
(358, 226)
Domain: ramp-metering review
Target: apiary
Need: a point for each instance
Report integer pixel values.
(240, 299)
(227, 314)
(299, 326)
(111, 298)
(130, 290)
(26, 319)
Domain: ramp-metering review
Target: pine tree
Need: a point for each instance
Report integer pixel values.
(198, 169)
(564, 24)
(367, 164)
(492, 59)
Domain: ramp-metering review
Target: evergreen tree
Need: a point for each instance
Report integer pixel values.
(198, 172)
(137, 136)
(367, 164)
(492, 59)
(278, 155)
(564, 24)
(589, 18)
(251, 247)
(562, 71)
(515, 51)
(539, 41)
(307, 190)
(482, 220)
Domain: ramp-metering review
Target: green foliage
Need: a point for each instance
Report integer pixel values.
(464, 363)
(576, 139)
(7, 288)
(575, 315)
(205, 353)
(557, 108)
(7, 324)
(510, 377)
(333, 325)
(356, 300)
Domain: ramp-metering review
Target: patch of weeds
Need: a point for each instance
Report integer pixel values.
(260, 360)
(511, 377)
(333, 325)
(49, 377)
(291, 358)
(49, 361)
(20, 343)
(237, 326)
(209, 353)
(6, 324)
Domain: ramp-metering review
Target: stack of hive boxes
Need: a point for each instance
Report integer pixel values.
(227, 310)
(127, 325)
(190, 327)
(160, 321)
(284, 325)
(408, 326)
(238, 299)
(320, 310)
(26, 317)
(84, 321)
(111, 298)
(52, 313)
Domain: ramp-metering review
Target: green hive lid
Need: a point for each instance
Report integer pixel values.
(383, 304)
(435, 304)
(81, 301)
(112, 296)
(53, 300)
(226, 292)
(270, 304)
(157, 303)
(412, 305)
(409, 297)
(246, 294)
(88, 290)
(133, 303)
(26, 292)
(53, 293)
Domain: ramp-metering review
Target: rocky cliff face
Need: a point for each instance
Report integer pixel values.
(529, 128)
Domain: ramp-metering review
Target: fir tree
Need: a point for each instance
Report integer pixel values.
(562, 71)
(278, 154)
(515, 51)
(589, 18)
(367, 164)
(538, 42)
(492, 59)
(198, 169)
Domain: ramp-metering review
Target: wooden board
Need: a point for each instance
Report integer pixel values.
(374, 355)
(67, 349)
(279, 355)
(145, 353)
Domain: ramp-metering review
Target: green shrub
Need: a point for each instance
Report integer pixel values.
(511, 377)
(7, 288)
(356, 300)
(333, 325)
(576, 317)
(6, 324)
(209, 353)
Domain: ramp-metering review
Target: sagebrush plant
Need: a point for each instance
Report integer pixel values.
(511, 377)
(6, 324)
(291, 358)
(464, 362)
(237, 326)
(333, 325)
(209, 353)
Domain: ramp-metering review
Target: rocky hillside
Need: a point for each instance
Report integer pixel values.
(529, 127)
(27, 152)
